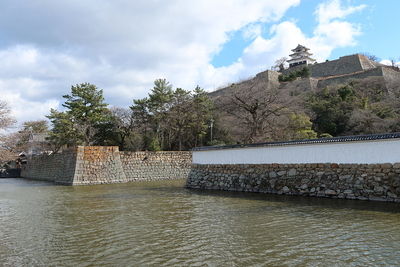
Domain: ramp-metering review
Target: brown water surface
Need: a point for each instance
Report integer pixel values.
(163, 224)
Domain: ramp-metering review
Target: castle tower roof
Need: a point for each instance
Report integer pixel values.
(300, 47)
(300, 56)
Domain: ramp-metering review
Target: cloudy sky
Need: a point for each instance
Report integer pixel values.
(122, 46)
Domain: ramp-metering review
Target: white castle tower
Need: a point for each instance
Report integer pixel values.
(300, 56)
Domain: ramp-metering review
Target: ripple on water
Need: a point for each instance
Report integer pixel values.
(162, 224)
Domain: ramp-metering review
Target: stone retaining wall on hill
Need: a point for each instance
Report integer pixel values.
(341, 66)
(378, 182)
(345, 79)
(101, 165)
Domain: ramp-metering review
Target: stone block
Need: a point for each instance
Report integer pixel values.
(396, 165)
(281, 173)
(386, 166)
(292, 172)
(330, 192)
(376, 198)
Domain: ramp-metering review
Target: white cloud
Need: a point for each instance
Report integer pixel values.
(120, 46)
(331, 30)
(390, 62)
(123, 46)
(329, 34)
(252, 31)
(327, 11)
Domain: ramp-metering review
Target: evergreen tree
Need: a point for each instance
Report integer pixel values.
(173, 120)
(63, 132)
(86, 112)
(160, 101)
(203, 109)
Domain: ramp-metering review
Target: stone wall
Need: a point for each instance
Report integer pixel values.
(59, 168)
(101, 165)
(139, 166)
(343, 65)
(268, 75)
(301, 85)
(392, 79)
(345, 79)
(377, 182)
(98, 165)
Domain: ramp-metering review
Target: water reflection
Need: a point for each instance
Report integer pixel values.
(163, 224)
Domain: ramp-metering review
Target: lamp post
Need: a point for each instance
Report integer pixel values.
(211, 131)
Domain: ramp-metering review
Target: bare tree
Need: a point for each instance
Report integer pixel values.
(280, 64)
(6, 120)
(253, 110)
(364, 121)
(394, 64)
(370, 56)
(11, 146)
(126, 125)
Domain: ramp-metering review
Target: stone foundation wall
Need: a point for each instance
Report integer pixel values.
(343, 65)
(101, 165)
(98, 165)
(268, 75)
(139, 166)
(377, 182)
(392, 79)
(332, 81)
(58, 168)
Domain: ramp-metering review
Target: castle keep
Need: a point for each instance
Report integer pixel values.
(339, 71)
(330, 73)
(300, 56)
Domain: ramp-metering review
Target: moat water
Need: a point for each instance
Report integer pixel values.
(163, 224)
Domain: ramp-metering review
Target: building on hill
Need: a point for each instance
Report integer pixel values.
(330, 73)
(345, 65)
(300, 56)
(344, 70)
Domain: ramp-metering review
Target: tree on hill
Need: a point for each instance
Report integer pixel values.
(253, 110)
(304, 73)
(332, 110)
(280, 64)
(359, 107)
(370, 56)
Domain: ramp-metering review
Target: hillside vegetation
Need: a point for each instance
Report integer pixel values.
(260, 110)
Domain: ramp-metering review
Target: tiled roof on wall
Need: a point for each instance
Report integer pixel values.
(339, 139)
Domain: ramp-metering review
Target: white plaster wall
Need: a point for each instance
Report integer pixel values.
(377, 151)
